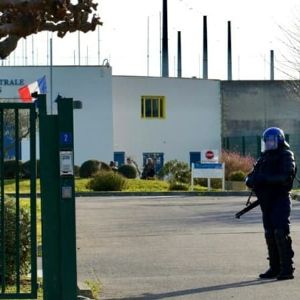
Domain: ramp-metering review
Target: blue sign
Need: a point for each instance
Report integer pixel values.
(208, 166)
(66, 138)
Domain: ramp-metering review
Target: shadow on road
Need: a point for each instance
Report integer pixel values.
(149, 296)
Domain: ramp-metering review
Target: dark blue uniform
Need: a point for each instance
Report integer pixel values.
(272, 180)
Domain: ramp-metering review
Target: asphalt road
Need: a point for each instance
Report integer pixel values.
(178, 248)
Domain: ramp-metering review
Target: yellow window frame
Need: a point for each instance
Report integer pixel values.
(161, 107)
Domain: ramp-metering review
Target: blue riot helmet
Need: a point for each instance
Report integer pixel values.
(272, 139)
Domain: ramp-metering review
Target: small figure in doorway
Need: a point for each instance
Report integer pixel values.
(148, 171)
(113, 166)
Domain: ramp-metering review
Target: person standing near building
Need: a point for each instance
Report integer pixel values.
(131, 162)
(149, 170)
(272, 180)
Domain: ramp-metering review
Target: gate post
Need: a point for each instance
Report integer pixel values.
(58, 201)
(67, 199)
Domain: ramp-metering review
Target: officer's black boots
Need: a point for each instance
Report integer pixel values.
(274, 262)
(284, 246)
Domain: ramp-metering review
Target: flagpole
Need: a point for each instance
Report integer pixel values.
(32, 50)
(78, 47)
(98, 46)
(148, 45)
(51, 75)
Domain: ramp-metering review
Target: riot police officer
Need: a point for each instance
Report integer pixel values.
(272, 179)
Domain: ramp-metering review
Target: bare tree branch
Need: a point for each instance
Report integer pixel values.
(21, 18)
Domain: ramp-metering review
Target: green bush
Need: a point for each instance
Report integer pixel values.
(128, 171)
(177, 171)
(26, 169)
(10, 240)
(237, 176)
(107, 181)
(10, 169)
(104, 166)
(76, 170)
(236, 162)
(178, 186)
(91, 167)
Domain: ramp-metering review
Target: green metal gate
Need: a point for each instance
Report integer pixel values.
(17, 236)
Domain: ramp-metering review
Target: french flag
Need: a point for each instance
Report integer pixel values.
(38, 87)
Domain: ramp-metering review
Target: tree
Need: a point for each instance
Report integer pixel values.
(21, 18)
(9, 128)
(289, 62)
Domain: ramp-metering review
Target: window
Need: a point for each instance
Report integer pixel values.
(153, 107)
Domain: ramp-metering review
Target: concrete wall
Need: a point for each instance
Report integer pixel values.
(192, 123)
(92, 85)
(248, 107)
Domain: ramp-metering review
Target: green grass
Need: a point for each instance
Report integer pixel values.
(80, 185)
(10, 185)
(133, 185)
(139, 185)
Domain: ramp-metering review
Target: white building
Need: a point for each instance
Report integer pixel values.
(168, 118)
(187, 117)
(93, 124)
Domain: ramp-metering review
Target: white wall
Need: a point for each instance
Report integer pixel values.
(192, 123)
(90, 84)
(110, 119)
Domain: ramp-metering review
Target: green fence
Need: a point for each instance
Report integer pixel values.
(245, 145)
(251, 145)
(18, 263)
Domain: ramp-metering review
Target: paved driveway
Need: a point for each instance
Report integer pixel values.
(177, 248)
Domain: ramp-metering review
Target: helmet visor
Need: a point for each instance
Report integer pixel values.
(270, 143)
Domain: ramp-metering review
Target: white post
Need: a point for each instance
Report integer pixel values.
(192, 177)
(223, 179)
(208, 184)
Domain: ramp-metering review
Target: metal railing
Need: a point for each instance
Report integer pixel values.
(18, 259)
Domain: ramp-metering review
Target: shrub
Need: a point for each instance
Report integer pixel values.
(104, 166)
(237, 176)
(236, 162)
(91, 167)
(10, 240)
(26, 169)
(128, 171)
(178, 186)
(107, 181)
(76, 170)
(10, 169)
(176, 171)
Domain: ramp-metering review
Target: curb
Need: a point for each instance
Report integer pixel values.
(139, 194)
(149, 194)
(295, 196)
